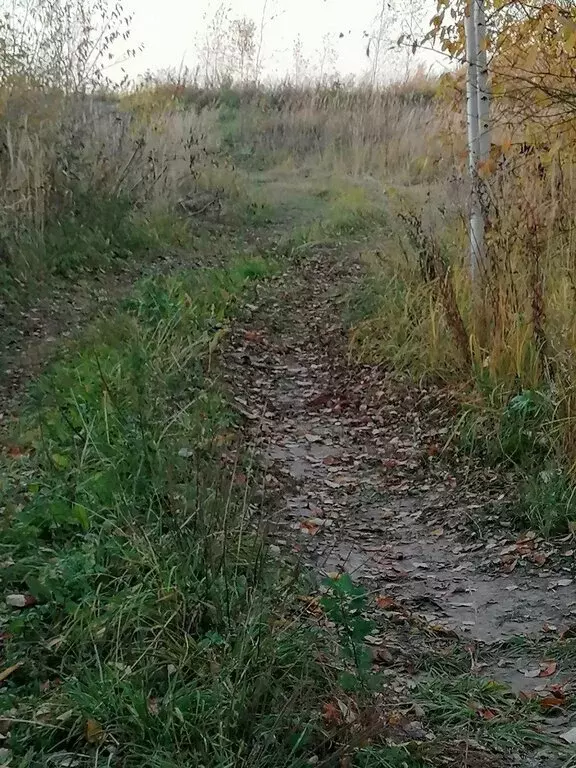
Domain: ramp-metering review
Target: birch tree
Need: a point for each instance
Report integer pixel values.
(478, 123)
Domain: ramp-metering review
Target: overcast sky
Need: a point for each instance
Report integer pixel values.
(170, 31)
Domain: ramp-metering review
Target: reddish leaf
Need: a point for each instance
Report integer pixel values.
(253, 335)
(384, 602)
(309, 527)
(331, 714)
(549, 669)
(551, 702)
(487, 714)
(16, 451)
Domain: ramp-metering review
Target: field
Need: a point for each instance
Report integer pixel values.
(279, 488)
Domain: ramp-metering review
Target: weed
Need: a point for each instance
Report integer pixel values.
(487, 709)
(547, 502)
(516, 432)
(345, 604)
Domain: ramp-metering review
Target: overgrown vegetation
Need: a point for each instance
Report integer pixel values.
(146, 622)
(156, 622)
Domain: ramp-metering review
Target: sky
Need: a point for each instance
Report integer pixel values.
(170, 32)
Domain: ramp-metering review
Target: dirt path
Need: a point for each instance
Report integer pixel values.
(367, 489)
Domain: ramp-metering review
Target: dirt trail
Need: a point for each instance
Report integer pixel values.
(365, 485)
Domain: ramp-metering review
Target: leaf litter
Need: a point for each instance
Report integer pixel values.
(361, 483)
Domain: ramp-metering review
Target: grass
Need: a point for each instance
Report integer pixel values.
(160, 631)
(486, 709)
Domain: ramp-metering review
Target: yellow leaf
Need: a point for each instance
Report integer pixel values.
(9, 670)
(93, 732)
(530, 59)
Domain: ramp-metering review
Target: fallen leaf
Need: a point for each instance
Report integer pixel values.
(527, 695)
(152, 705)
(509, 567)
(312, 604)
(569, 736)
(549, 669)
(385, 602)
(309, 527)
(487, 714)
(9, 670)
(551, 702)
(532, 673)
(382, 656)
(395, 717)
(561, 583)
(253, 335)
(331, 714)
(538, 558)
(438, 629)
(93, 732)
(569, 632)
(20, 601)
(16, 451)
(322, 399)
(313, 438)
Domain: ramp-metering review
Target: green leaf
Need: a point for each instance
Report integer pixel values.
(60, 461)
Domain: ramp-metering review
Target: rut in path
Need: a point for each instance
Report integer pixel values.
(365, 485)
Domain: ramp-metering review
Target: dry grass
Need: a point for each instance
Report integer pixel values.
(345, 130)
(101, 148)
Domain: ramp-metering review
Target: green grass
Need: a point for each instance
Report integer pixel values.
(161, 633)
(485, 710)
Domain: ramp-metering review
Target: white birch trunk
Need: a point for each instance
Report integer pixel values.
(483, 89)
(473, 124)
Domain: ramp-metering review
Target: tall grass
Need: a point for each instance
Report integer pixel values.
(75, 169)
